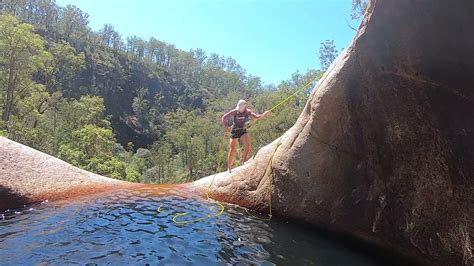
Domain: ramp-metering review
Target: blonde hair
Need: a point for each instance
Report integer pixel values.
(240, 103)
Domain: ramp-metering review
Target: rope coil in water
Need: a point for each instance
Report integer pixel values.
(268, 171)
(221, 211)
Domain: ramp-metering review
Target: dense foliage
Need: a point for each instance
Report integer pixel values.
(140, 110)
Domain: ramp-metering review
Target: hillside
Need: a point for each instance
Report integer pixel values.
(128, 108)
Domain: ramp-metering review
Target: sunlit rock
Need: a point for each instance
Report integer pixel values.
(384, 149)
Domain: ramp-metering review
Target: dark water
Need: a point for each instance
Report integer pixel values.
(125, 228)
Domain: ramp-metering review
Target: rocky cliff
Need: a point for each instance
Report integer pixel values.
(384, 149)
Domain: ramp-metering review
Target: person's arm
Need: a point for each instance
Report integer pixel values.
(258, 116)
(225, 119)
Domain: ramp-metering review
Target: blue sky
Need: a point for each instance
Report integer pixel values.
(269, 38)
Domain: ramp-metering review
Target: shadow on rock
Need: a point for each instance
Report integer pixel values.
(9, 199)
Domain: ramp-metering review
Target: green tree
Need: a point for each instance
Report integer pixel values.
(91, 148)
(162, 155)
(21, 55)
(63, 68)
(110, 37)
(73, 24)
(67, 116)
(327, 54)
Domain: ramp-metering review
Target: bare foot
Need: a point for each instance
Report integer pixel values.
(230, 170)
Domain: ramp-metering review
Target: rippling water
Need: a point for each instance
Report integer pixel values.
(126, 228)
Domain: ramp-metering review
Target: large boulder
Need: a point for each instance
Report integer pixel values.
(28, 176)
(384, 149)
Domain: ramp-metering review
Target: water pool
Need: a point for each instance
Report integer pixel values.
(125, 228)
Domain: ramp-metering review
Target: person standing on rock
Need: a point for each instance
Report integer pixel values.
(241, 116)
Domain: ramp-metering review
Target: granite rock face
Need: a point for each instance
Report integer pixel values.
(28, 176)
(384, 149)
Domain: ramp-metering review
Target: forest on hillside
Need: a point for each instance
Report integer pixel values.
(131, 109)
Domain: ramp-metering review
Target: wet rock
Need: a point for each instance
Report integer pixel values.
(384, 149)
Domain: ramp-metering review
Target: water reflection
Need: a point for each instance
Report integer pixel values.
(126, 228)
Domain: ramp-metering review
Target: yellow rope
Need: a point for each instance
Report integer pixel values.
(292, 95)
(159, 208)
(175, 220)
(268, 169)
(282, 102)
(219, 213)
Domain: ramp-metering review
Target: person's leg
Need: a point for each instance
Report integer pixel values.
(230, 157)
(247, 146)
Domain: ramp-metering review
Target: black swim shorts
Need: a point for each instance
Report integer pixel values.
(237, 133)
